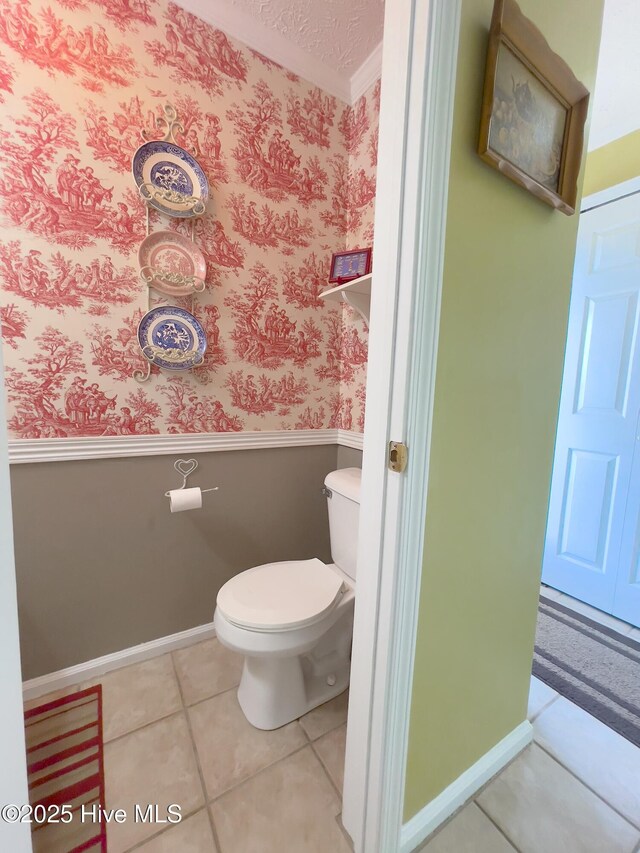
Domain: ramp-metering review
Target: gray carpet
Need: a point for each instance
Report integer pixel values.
(591, 665)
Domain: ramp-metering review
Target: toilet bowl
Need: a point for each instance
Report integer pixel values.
(293, 620)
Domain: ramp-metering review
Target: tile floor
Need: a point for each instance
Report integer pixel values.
(576, 789)
(174, 733)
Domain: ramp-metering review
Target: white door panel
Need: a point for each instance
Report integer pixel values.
(626, 602)
(593, 531)
(585, 528)
(604, 363)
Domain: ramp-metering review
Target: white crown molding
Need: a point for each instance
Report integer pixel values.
(273, 45)
(64, 678)
(116, 447)
(366, 75)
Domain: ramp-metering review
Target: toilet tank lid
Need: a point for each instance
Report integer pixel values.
(345, 482)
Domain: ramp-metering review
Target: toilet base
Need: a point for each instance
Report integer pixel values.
(275, 691)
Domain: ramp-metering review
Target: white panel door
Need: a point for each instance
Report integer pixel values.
(592, 548)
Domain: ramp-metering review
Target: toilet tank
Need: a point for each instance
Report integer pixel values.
(343, 499)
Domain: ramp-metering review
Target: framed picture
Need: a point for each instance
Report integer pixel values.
(348, 265)
(533, 110)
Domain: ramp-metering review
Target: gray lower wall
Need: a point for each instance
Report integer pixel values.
(348, 457)
(102, 564)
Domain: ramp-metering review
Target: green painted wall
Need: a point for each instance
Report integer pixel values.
(507, 279)
(613, 163)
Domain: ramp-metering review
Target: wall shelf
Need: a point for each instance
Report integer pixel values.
(356, 293)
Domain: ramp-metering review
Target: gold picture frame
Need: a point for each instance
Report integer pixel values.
(533, 110)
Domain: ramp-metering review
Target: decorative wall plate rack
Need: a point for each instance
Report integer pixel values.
(170, 179)
(172, 182)
(172, 338)
(172, 264)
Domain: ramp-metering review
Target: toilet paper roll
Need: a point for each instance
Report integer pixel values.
(181, 499)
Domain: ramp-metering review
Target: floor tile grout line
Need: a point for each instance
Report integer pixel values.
(309, 743)
(474, 799)
(298, 719)
(143, 727)
(100, 680)
(586, 785)
(338, 820)
(137, 728)
(499, 773)
(183, 710)
(544, 707)
(442, 826)
(328, 731)
(274, 764)
(497, 826)
(257, 773)
(160, 832)
(203, 785)
(483, 788)
(305, 732)
(213, 696)
(175, 713)
(327, 774)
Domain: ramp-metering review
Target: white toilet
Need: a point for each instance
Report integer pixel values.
(293, 621)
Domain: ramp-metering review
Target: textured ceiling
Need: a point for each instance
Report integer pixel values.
(327, 41)
(340, 33)
(616, 102)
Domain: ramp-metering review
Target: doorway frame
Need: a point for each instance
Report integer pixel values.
(13, 779)
(417, 106)
(606, 196)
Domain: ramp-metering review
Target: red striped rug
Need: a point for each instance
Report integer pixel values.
(66, 774)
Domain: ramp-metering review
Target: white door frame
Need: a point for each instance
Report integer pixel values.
(418, 83)
(13, 776)
(419, 62)
(610, 194)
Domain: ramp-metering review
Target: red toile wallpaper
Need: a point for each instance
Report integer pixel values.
(292, 177)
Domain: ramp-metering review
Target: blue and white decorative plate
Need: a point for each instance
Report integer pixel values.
(172, 338)
(170, 179)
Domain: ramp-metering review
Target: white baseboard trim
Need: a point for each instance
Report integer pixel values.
(117, 447)
(421, 825)
(99, 666)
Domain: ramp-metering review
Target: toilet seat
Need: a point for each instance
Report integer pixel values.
(280, 596)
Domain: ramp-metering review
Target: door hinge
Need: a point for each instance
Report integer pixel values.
(398, 454)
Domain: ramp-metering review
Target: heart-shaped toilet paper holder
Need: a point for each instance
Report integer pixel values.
(186, 467)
